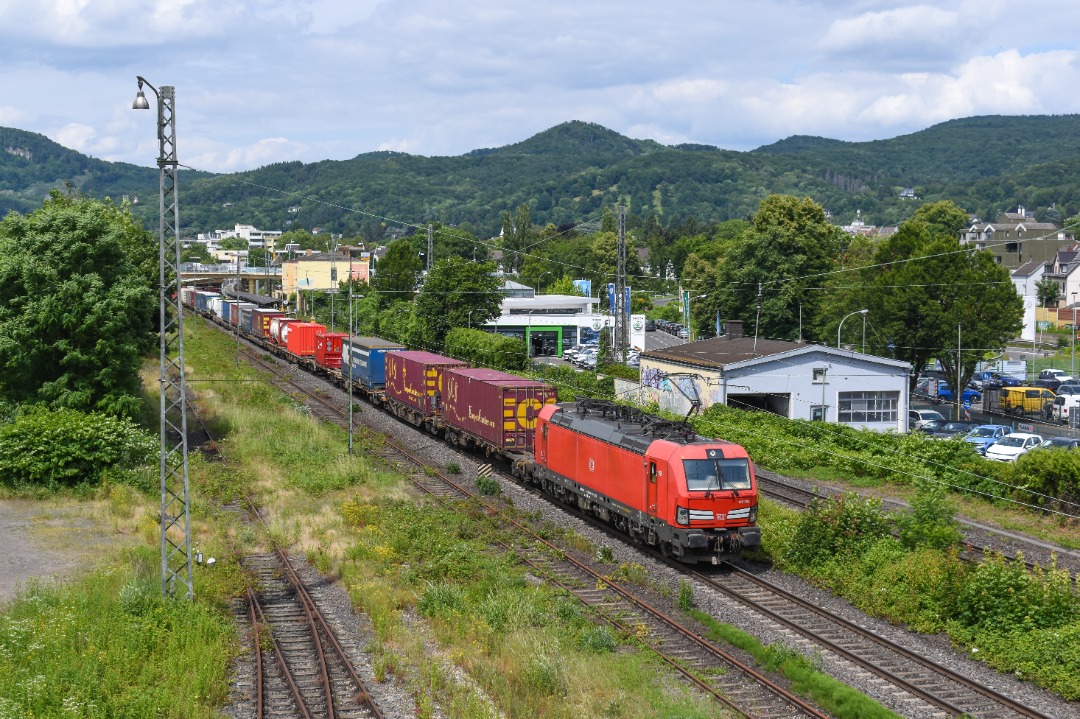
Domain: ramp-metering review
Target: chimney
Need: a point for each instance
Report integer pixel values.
(734, 329)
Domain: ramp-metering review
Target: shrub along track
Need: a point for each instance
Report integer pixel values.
(979, 539)
(719, 673)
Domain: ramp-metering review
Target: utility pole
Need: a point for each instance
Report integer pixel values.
(351, 348)
(757, 317)
(620, 290)
(430, 246)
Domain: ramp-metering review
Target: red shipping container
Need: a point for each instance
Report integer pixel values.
(497, 407)
(328, 349)
(415, 378)
(301, 338)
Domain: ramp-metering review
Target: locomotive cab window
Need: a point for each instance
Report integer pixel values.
(716, 474)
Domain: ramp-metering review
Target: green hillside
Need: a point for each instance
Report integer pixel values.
(570, 172)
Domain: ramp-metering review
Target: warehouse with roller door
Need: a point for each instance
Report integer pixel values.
(791, 379)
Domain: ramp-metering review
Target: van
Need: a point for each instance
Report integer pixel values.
(1065, 405)
(1025, 400)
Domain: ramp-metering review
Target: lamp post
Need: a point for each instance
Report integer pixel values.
(856, 312)
(470, 318)
(172, 389)
(541, 278)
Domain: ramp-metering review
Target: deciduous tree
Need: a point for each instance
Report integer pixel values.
(457, 293)
(76, 309)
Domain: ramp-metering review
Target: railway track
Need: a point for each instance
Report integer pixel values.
(944, 691)
(311, 675)
(301, 668)
(921, 678)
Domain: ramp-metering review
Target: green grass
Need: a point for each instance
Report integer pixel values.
(532, 649)
(836, 698)
(108, 645)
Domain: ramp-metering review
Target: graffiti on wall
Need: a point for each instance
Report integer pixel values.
(654, 378)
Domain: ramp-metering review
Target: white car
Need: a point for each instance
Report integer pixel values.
(1008, 449)
(1059, 374)
(918, 417)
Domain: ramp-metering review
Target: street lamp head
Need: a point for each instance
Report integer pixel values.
(864, 312)
(141, 103)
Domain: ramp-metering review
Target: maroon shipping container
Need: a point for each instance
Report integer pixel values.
(260, 321)
(300, 339)
(494, 406)
(415, 378)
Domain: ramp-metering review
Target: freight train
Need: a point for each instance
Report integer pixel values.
(692, 498)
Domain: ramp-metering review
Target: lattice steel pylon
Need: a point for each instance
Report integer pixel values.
(176, 562)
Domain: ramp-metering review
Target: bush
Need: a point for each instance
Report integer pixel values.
(487, 349)
(64, 448)
(929, 522)
(1001, 594)
(845, 525)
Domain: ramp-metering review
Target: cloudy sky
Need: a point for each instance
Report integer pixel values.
(260, 81)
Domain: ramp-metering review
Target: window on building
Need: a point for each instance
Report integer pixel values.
(866, 407)
(819, 375)
(817, 413)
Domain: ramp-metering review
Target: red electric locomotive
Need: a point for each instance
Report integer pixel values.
(693, 498)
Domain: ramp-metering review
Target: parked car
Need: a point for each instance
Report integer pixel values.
(1072, 388)
(1050, 384)
(574, 351)
(1008, 449)
(998, 381)
(985, 435)
(918, 417)
(948, 430)
(584, 355)
(650, 325)
(683, 333)
(1059, 374)
(969, 395)
(1060, 443)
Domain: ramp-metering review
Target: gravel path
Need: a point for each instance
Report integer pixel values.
(26, 557)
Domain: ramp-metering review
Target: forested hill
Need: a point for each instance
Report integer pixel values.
(570, 172)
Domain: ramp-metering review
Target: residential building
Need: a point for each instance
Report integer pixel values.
(317, 271)
(1015, 238)
(790, 379)
(1026, 279)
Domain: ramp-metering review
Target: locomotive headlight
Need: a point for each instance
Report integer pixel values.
(682, 515)
(753, 514)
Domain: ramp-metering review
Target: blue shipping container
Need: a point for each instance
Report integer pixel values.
(228, 308)
(202, 300)
(367, 357)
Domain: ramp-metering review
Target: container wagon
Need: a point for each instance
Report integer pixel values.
(365, 359)
(492, 410)
(414, 386)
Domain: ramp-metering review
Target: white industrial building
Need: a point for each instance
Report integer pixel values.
(551, 324)
(790, 379)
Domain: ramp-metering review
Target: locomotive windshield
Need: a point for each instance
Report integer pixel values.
(716, 474)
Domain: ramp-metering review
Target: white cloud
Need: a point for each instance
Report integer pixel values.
(261, 81)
